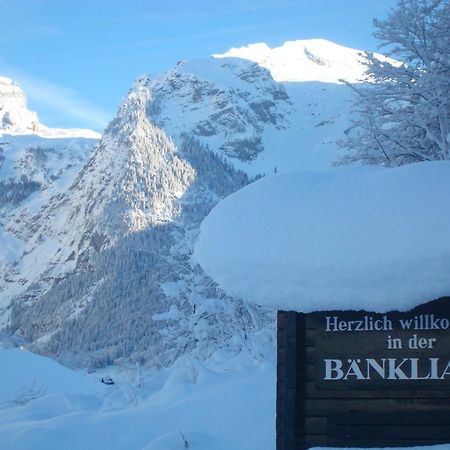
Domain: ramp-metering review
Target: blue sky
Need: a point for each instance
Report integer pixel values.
(77, 59)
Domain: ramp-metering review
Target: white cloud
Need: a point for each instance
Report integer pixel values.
(58, 99)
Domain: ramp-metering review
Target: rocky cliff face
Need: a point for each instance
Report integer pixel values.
(226, 103)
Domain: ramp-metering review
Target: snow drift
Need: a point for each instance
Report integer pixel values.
(347, 238)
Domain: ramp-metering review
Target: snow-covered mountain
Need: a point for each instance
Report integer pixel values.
(114, 249)
(100, 268)
(17, 119)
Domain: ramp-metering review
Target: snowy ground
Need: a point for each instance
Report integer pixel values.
(227, 404)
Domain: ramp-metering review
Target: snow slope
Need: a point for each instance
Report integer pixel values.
(33, 172)
(347, 238)
(26, 376)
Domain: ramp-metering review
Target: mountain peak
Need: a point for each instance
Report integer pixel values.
(15, 116)
(17, 119)
(305, 60)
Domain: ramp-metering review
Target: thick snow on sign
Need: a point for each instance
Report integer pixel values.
(349, 238)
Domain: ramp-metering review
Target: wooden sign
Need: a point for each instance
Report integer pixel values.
(360, 379)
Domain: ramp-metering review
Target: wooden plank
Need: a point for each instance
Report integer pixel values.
(387, 418)
(324, 441)
(312, 390)
(315, 425)
(376, 343)
(319, 407)
(306, 372)
(391, 432)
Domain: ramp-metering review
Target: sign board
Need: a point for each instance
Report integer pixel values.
(361, 379)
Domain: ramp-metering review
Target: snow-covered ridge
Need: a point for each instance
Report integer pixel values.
(305, 60)
(17, 119)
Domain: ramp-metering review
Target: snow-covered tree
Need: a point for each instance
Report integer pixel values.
(403, 112)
